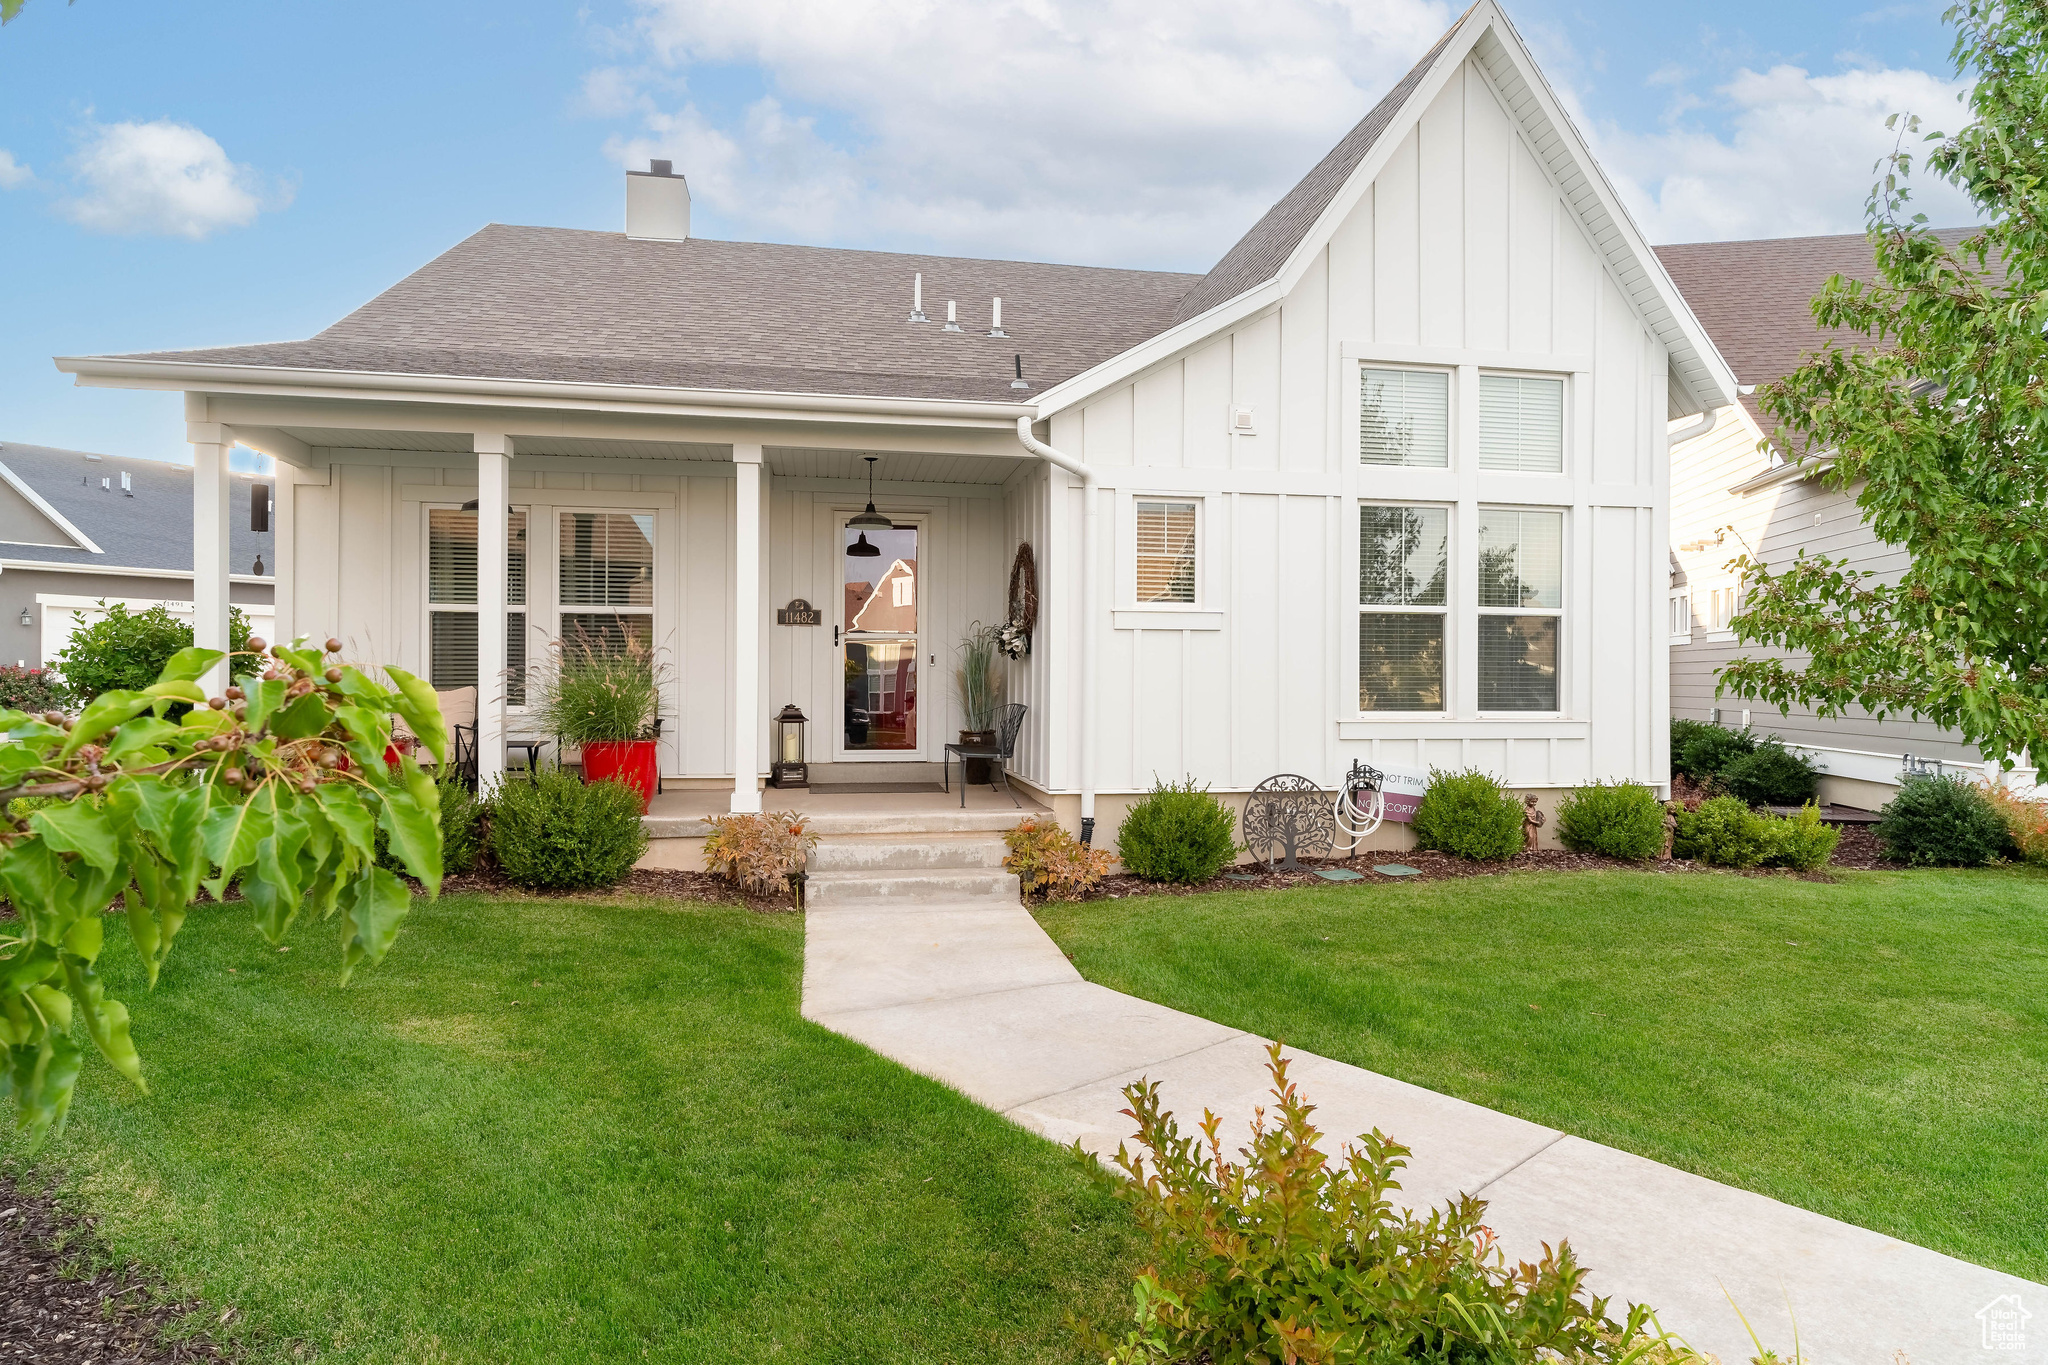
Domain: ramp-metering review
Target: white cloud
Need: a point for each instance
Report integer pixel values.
(12, 172)
(164, 178)
(1797, 159)
(1121, 130)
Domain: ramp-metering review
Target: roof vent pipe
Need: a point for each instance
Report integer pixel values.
(657, 204)
(952, 317)
(917, 298)
(995, 328)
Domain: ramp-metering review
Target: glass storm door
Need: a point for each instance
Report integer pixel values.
(878, 631)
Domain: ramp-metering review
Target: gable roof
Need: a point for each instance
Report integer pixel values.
(150, 530)
(597, 307)
(1262, 253)
(1755, 298)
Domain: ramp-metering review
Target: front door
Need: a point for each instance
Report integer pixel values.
(880, 604)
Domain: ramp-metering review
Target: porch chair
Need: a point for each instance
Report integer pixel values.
(1008, 722)
(458, 709)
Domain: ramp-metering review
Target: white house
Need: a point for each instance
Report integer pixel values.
(1388, 483)
(1733, 494)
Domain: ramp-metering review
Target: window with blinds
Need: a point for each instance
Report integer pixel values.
(1403, 587)
(1521, 606)
(1166, 551)
(1404, 418)
(452, 604)
(606, 561)
(1521, 424)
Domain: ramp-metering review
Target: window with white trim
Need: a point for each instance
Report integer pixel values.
(1404, 418)
(606, 573)
(1725, 603)
(1681, 615)
(1521, 424)
(1521, 608)
(452, 605)
(1165, 538)
(1403, 594)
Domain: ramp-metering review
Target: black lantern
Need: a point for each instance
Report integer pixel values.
(789, 768)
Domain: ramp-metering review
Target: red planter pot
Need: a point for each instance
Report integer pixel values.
(631, 761)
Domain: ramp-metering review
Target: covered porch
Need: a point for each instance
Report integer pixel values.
(463, 545)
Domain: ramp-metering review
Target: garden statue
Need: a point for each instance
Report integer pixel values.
(1532, 821)
(1671, 809)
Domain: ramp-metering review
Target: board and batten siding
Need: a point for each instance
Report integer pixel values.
(1779, 520)
(1461, 256)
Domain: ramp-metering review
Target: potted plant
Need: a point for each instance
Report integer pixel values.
(604, 695)
(981, 694)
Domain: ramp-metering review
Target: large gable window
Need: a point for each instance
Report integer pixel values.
(1521, 424)
(1403, 568)
(1405, 418)
(1521, 603)
(452, 605)
(1166, 551)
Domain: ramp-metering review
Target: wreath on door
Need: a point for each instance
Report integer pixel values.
(1013, 638)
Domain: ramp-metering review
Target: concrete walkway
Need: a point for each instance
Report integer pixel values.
(926, 957)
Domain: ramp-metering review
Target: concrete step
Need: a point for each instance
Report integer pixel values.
(894, 852)
(921, 821)
(908, 889)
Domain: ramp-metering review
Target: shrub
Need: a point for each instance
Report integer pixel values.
(1725, 832)
(1290, 1254)
(1801, 841)
(1051, 862)
(1468, 814)
(1941, 822)
(462, 828)
(32, 689)
(1179, 833)
(127, 650)
(598, 688)
(1707, 749)
(553, 832)
(2026, 823)
(1771, 775)
(759, 852)
(1619, 819)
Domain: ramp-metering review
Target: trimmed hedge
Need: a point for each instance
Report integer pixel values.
(1771, 775)
(1469, 815)
(1179, 833)
(1618, 819)
(1942, 822)
(555, 833)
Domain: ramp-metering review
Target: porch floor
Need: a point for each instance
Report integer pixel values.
(684, 814)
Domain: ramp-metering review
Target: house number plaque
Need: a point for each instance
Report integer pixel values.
(799, 613)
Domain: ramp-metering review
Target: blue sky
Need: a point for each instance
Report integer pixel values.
(185, 174)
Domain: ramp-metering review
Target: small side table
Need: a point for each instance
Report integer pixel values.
(533, 748)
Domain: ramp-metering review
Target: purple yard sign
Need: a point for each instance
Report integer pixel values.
(1404, 788)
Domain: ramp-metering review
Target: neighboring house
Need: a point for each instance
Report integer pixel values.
(1731, 495)
(1386, 484)
(77, 529)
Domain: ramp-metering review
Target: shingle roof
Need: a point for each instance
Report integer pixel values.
(1261, 253)
(1755, 298)
(597, 307)
(151, 530)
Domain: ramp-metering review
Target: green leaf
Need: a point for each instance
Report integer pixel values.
(303, 719)
(143, 733)
(349, 813)
(232, 830)
(263, 698)
(106, 1021)
(85, 938)
(422, 711)
(415, 829)
(104, 712)
(178, 689)
(189, 665)
(373, 908)
(82, 828)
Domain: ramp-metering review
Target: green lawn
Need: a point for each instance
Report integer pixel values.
(1876, 1050)
(548, 1131)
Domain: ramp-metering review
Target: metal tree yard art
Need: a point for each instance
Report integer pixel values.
(1287, 815)
(277, 787)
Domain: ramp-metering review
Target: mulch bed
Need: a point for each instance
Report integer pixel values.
(641, 881)
(64, 1304)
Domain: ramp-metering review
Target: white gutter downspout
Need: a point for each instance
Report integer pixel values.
(1704, 425)
(1090, 555)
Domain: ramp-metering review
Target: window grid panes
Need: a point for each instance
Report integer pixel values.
(1521, 601)
(1404, 418)
(452, 605)
(1403, 587)
(1166, 551)
(606, 561)
(1521, 424)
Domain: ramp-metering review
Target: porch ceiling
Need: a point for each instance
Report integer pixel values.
(459, 443)
(891, 466)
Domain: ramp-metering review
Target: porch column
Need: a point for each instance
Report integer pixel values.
(746, 634)
(210, 445)
(493, 481)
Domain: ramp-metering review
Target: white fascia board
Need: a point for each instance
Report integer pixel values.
(1230, 313)
(120, 570)
(41, 504)
(1788, 472)
(115, 372)
(1628, 254)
